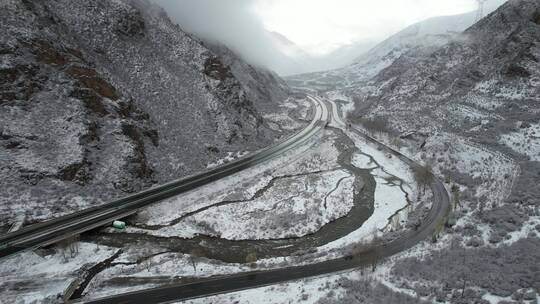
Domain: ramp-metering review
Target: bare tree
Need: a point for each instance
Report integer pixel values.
(438, 229)
(423, 176)
(375, 125)
(62, 247)
(455, 197)
(69, 247)
(375, 255)
(194, 255)
(145, 261)
(251, 259)
(74, 245)
(396, 222)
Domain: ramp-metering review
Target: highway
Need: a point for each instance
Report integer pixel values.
(53, 231)
(364, 257)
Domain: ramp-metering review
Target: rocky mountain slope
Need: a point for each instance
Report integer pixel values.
(470, 109)
(483, 85)
(265, 88)
(103, 98)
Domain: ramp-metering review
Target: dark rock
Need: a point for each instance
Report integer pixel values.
(131, 24)
(475, 242)
(47, 53)
(214, 68)
(516, 71)
(91, 100)
(525, 125)
(90, 79)
(76, 173)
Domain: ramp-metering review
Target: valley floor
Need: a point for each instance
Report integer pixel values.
(312, 204)
(318, 202)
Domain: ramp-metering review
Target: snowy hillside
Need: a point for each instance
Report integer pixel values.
(484, 86)
(468, 106)
(422, 37)
(111, 95)
(470, 109)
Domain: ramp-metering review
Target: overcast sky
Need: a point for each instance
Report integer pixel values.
(317, 27)
(320, 26)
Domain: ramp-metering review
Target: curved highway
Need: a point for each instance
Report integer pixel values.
(61, 228)
(364, 257)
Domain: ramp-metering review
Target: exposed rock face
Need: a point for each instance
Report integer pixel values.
(265, 96)
(103, 98)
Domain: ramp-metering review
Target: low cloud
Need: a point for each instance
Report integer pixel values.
(229, 22)
(335, 34)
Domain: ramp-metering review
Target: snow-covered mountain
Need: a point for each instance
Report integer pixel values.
(293, 60)
(111, 95)
(428, 34)
(470, 110)
(482, 89)
(484, 85)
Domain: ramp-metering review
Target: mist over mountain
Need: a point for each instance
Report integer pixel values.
(431, 33)
(233, 24)
(230, 24)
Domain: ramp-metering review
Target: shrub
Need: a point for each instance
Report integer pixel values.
(374, 125)
(536, 17)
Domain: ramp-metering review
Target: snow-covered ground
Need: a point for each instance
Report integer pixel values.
(29, 277)
(308, 166)
(308, 291)
(231, 156)
(318, 198)
(281, 122)
(264, 207)
(333, 288)
(525, 141)
(476, 161)
(293, 207)
(292, 115)
(155, 270)
(241, 186)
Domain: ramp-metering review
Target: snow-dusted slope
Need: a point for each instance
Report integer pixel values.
(100, 98)
(422, 37)
(263, 87)
(470, 109)
(480, 91)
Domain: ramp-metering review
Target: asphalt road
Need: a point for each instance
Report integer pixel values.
(364, 257)
(61, 228)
